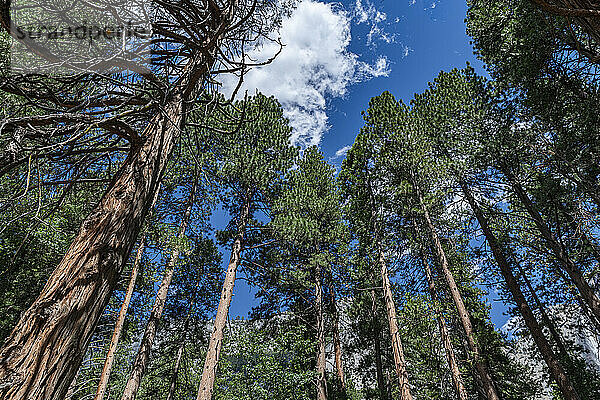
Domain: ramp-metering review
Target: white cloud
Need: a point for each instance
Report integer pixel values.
(367, 13)
(314, 65)
(342, 151)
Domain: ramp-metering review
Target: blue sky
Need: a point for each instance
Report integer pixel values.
(340, 54)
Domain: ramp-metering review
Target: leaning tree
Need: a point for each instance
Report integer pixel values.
(129, 114)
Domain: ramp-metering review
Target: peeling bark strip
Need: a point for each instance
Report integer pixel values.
(559, 251)
(44, 351)
(457, 379)
(321, 380)
(216, 339)
(489, 387)
(114, 341)
(143, 355)
(556, 370)
(399, 362)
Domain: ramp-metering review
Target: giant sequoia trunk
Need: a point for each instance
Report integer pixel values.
(43, 353)
(45, 349)
(114, 342)
(464, 316)
(143, 355)
(556, 370)
(587, 293)
(399, 362)
(321, 379)
(457, 379)
(216, 339)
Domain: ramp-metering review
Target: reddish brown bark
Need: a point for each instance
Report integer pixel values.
(587, 293)
(464, 316)
(143, 355)
(399, 362)
(214, 346)
(501, 258)
(42, 355)
(114, 342)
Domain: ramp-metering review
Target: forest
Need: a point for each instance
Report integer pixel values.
(136, 196)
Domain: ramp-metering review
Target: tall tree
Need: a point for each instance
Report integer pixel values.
(44, 351)
(143, 355)
(308, 216)
(364, 183)
(250, 164)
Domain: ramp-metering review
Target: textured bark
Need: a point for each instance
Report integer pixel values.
(114, 342)
(556, 370)
(457, 379)
(487, 382)
(587, 293)
(214, 346)
(337, 345)
(399, 362)
(43, 353)
(321, 379)
(143, 355)
(377, 348)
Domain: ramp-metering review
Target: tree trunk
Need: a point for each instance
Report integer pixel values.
(543, 346)
(337, 345)
(463, 314)
(390, 306)
(377, 344)
(321, 379)
(559, 251)
(114, 342)
(545, 317)
(214, 346)
(143, 355)
(44, 351)
(178, 357)
(457, 379)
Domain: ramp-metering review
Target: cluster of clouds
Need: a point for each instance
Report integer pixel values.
(315, 63)
(366, 13)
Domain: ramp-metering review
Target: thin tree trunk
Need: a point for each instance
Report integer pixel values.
(321, 379)
(180, 349)
(514, 287)
(559, 251)
(487, 382)
(175, 374)
(214, 346)
(545, 317)
(377, 344)
(143, 355)
(45, 349)
(337, 344)
(457, 379)
(114, 342)
(399, 362)
(178, 357)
